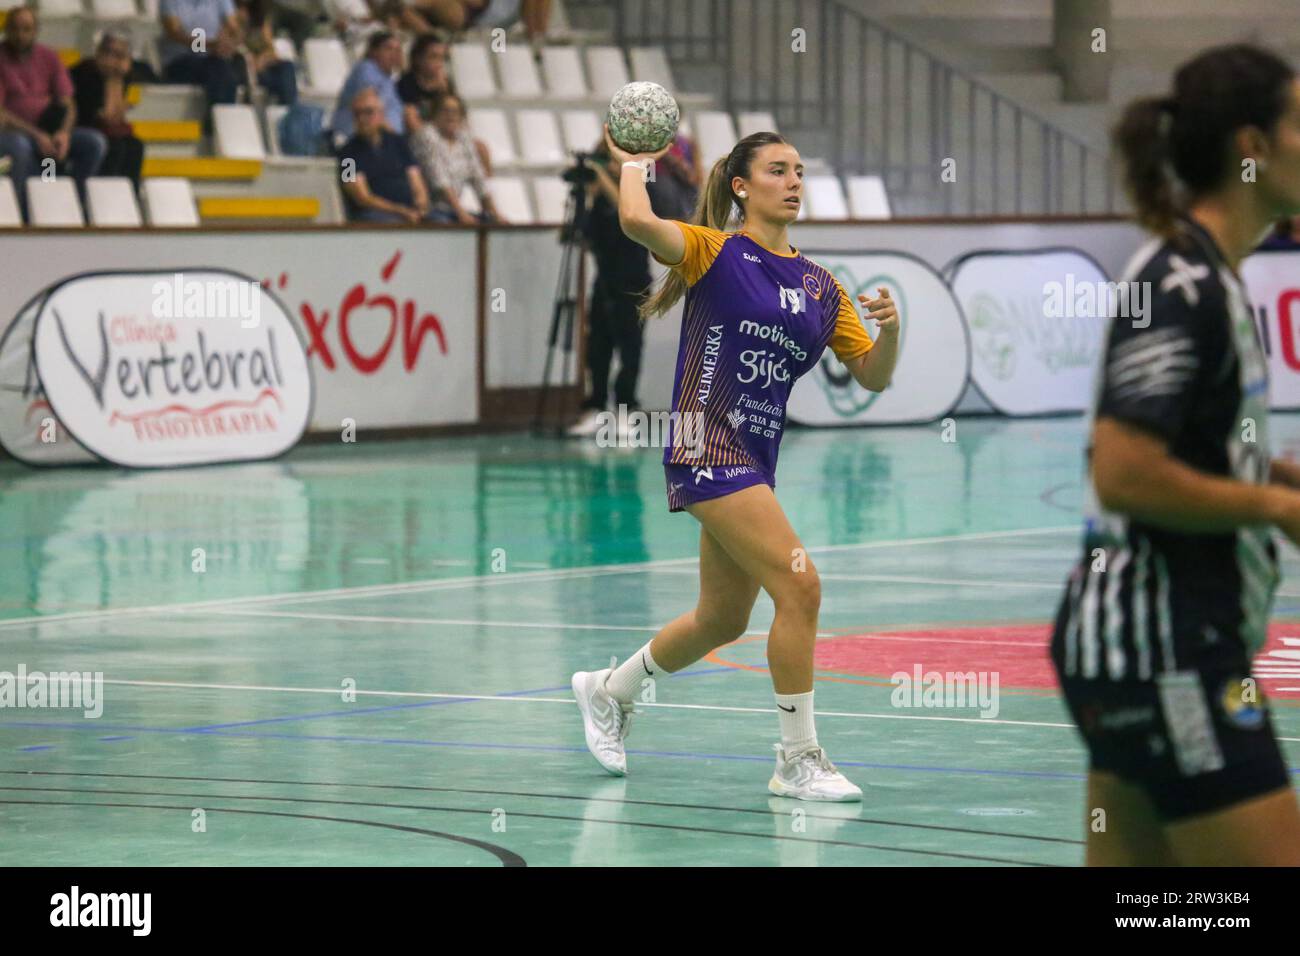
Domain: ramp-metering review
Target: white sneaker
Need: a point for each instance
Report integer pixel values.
(809, 775)
(604, 719)
(587, 425)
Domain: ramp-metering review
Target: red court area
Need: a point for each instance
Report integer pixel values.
(1018, 652)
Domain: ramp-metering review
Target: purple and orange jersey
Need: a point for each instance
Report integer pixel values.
(755, 320)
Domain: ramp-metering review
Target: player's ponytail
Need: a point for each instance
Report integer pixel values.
(716, 206)
(1177, 148)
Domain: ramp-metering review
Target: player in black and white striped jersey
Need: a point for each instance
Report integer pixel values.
(1171, 597)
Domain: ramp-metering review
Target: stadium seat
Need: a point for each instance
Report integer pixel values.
(473, 71)
(539, 137)
(747, 123)
(563, 72)
(327, 64)
(113, 9)
(110, 201)
(581, 129)
(511, 198)
(867, 198)
(169, 202)
(519, 76)
(490, 126)
(235, 131)
(61, 8)
(274, 113)
(10, 215)
(53, 202)
(650, 63)
(607, 69)
(552, 196)
(715, 134)
(824, 197)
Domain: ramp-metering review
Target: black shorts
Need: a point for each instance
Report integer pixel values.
(1196, 740)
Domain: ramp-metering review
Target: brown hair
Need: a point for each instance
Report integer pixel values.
(1177, 148)
(714, 208)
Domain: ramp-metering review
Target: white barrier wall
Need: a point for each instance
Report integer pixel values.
(392, 318)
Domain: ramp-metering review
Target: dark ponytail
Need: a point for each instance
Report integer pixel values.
(1177, 148)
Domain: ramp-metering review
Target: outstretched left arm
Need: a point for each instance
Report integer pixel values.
(874, 370)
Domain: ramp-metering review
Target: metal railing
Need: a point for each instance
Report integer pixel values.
(871, 101)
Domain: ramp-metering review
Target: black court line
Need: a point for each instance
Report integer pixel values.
(506, 857)
(517, 813)
(547, 796)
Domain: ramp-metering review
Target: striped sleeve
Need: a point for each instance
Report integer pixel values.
(1153, 368)
(702, 247)
(850, 339)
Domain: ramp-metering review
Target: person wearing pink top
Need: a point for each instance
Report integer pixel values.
(38, 115)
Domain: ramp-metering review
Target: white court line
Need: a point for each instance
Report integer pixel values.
(568, 702)
(649, 628)
(437, 584)
(906, 579)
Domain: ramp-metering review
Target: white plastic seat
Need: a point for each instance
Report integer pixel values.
(540, 137)
(824, 197)
(61, 8)
(581, 130)
(563, 72)
(762, 122)
(10, 214)
(169, 202)
(284, 49)
(274, 113)
(715, 135)
(552, 198)
(473, 71)
(607, 69)
(327, 64)
(110, 201)
(868, 198)
(53, 202)
(519, 76)
(650, 63)
(490, 126)
(236, 132)
(511, 198)
(113, 9)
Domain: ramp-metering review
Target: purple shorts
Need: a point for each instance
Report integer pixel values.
(688, 484)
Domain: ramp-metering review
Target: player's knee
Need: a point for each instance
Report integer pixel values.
(800, 593)
(723, 627)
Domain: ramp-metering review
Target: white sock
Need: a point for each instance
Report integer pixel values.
(797, 729)
(625, 682)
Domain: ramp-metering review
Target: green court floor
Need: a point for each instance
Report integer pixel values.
(454, 585)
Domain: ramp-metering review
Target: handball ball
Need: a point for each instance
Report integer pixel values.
(642, 117)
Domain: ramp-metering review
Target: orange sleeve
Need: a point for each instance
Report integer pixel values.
(850, 339)
(702, 247)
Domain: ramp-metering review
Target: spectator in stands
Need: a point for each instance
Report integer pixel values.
(100, 85)
(298, 18)
(275, 75)
(681, 187)
(38, 115)
(1284, 235)
(450, 162)
(354, 20)
(457, 15)
(199, 45)
(381, 179)
(426, 78)
(424, 82)
(383, 58)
